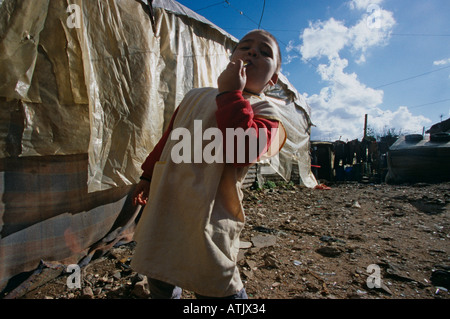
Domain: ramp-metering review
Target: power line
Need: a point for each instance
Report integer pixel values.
(211, 5)
(431, 103)
(242, 13)
(237, 10)
(419, 35)
(412, 77)
(262, 14)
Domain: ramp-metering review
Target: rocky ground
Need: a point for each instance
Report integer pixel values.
(354, 240)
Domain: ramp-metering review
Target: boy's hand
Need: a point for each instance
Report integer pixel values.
(233, 77)
(140, 194)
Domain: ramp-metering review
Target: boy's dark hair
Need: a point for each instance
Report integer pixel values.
(270, 35)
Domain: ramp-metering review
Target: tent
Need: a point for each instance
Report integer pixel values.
(87, 88)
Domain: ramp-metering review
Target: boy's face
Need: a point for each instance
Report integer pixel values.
(261, 54)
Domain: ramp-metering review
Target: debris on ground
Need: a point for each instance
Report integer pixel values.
(354, 240)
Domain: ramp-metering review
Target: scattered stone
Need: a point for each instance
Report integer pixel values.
(141, 289)
(138, 277)
(311, 287)
(385, 288)
(260, 241)
(241, 255)
(87, 293)
(394, 272)
(399, 213)
(245, 245)
(329, 239)
(117, 275)
(97, 291)
(248, 273)
(329, 251)
(266, 230)
(356, 205)
(251, 264)
(360, 292)
(441, 278)
(253, 250)
(357, 237)
(270, 261)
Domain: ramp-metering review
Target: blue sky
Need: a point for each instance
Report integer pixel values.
(389, 59)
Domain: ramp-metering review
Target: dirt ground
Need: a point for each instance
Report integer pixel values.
(354, 240)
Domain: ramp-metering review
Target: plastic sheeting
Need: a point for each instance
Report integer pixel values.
(415, 158)
(109, 86)
(44, 107)
(81, 107)
(296, 151)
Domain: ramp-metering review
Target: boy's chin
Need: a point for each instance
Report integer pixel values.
(250, 90)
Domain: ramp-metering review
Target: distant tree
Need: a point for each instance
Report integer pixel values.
(385, 133)
(386, 136)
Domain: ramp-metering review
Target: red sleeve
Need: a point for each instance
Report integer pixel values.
(236, 112)
(155, 154)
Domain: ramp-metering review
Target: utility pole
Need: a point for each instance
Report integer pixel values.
(365, 127)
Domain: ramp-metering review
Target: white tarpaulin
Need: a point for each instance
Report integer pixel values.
(86, 90)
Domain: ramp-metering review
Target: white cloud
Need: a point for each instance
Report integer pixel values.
(349, 124)
(291, 46)
(324, 39)
(401, 119)
(369, 33)
(327, 39)
(442, 62)
(289, 58)
(292, 53)
(338, 110)
(363, 4)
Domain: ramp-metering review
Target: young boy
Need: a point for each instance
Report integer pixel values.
(188, 235)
